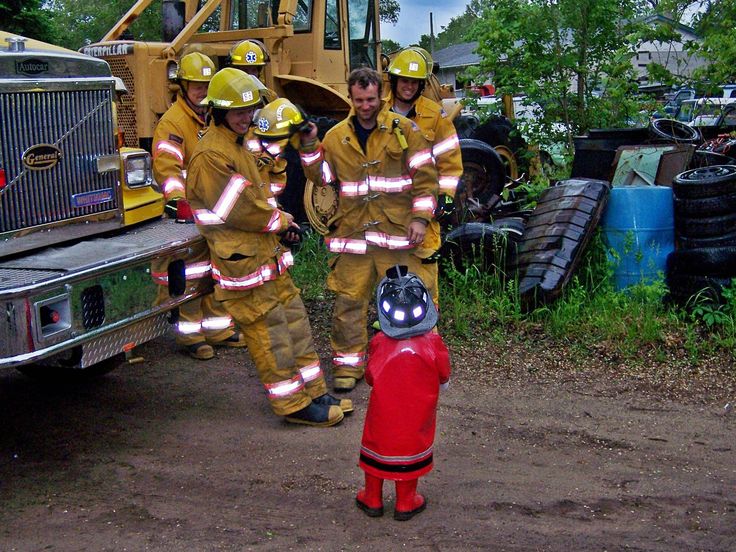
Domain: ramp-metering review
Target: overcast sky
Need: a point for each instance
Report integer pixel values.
(414, 19)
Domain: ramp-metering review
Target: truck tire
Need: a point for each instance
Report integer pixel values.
(671, 130)
(488, 246)
(484, 176)
(684, 287)
(706, 206)
(703, 182)
(707, 261)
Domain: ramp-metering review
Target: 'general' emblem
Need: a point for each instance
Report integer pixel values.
(251, 57)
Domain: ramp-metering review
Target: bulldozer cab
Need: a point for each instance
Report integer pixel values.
(312, 45)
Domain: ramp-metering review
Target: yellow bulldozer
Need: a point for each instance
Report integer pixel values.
(313, 45)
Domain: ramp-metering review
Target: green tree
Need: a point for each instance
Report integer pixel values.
(557, 52)
(459, 29)
(86, 21)
(28, 18)
(389, 11)
(388, 46)
(716, 25)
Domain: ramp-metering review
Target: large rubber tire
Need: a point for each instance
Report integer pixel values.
(487, 246)
(671, 130)
(465, 125)
(710, 261)
(705, 182)
(706, 206)
(725, 240)
(703, 158)
(686, 289)
(484, 176)
(707, 227)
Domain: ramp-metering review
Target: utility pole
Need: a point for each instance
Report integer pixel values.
(431, 35)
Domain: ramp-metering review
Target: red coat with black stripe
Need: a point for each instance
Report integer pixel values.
(405, 376)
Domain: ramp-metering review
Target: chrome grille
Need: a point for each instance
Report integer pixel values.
(79, 123)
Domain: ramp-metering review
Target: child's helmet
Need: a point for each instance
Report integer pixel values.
(405, 308)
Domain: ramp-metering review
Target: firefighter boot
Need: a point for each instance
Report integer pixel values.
(370, 499)
(346, 405)
(318, 415)
(343, 384)
(201, 351)
(408, 502)
(235, 340)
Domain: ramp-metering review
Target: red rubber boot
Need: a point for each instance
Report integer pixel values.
(370, 499)
(408, 502)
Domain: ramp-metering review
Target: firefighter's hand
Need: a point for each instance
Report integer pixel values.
(292, 235)
(417, 229)
(170, 208)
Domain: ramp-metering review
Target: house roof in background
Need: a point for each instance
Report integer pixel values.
(457, 55)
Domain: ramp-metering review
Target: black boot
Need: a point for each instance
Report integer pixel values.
(346, 405)
(317, 415)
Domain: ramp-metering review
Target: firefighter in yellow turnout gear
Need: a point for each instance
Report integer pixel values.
(268, 137)
(407, 73)
(202, 322)
(387, 183)
(251, 56)
(237, 214)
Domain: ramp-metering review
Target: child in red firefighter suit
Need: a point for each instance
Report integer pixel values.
(408, 364)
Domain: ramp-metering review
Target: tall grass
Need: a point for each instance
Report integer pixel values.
(478, 301)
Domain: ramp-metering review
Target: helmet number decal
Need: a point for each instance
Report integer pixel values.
(413, 67)
(248, 96)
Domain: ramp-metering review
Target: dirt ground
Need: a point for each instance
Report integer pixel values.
(533, 453)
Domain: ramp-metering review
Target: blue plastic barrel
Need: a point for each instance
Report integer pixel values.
(639, 228)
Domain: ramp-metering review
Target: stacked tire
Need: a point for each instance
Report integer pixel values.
(705, 231)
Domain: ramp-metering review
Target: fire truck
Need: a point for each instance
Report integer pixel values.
(84, 250)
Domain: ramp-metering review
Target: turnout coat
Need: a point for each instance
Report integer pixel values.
(405, 376)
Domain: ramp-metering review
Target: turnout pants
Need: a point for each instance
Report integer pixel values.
(274, 323)
(353, 279)
(201, 319)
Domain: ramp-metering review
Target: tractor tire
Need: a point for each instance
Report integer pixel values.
(484, 176)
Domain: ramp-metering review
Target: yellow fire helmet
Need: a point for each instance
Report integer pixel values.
(409, 64)
(231, 88)
(278, 120)
(196, 67)
(248, 53)
(426, 55)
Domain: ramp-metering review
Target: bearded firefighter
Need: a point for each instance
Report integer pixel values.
(387, 183)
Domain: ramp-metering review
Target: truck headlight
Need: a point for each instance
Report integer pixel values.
(137, 169)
